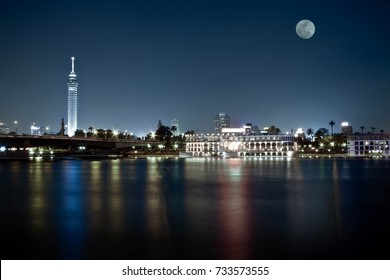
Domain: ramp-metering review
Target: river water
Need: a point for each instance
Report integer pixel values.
(196, 209)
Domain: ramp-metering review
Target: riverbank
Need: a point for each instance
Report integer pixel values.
(305, 155)
(166, 155)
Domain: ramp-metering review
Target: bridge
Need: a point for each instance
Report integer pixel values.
(22, 141)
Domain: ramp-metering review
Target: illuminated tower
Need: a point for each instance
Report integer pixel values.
(72, 101)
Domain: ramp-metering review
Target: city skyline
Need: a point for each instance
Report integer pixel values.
(143, 62)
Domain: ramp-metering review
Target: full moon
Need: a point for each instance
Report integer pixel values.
(305, 29)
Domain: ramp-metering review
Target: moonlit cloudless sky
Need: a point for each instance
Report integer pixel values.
(138, 62)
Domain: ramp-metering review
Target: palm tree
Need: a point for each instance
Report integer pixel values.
(382, 131)
(310, 133)
(362, 128)
(321, 133)
(272, 130)
(79, 133)
(373, 130)
(90, 132)
(173, 130)
(331, 123)
(164, 133)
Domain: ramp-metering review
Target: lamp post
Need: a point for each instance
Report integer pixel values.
(16, 127)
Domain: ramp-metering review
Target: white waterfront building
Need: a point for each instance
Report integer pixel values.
(72, 101)
(236, 142)
(369, 145)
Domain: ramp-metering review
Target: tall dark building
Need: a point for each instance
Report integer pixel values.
(221, 121)
(62, 130)
(346, 128)
(175, 123)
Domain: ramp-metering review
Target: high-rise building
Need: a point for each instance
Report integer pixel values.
(221, 121)
(346, 128)
(35, 130)
(175, 123)
(72, 101)
(4, 129)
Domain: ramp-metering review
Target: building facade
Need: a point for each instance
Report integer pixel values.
(72, 101)
(35, 130)
(243, 145)
(369, 145)
(346, 129)
(175, 123)
(221, 121)
(4, 129)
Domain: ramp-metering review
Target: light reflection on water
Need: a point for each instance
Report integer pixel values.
(37, 200)
(234, 232)
(156, 219)
(95, 203)
(196, 208)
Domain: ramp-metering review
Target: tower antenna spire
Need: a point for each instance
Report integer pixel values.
(72, 64)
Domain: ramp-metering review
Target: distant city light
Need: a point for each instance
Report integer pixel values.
(2, 149)
(34, 129)
(16, 126)
(299, 131)
(233, 130)
(344, 124)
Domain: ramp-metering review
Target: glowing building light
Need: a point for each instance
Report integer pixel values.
(299, 131)
(233, 130)
(72, 101)
(35, 129)
(344, 124)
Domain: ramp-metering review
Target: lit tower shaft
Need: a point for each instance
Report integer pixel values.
(72, 101)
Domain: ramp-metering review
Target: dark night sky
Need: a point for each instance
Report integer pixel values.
(138, 62)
